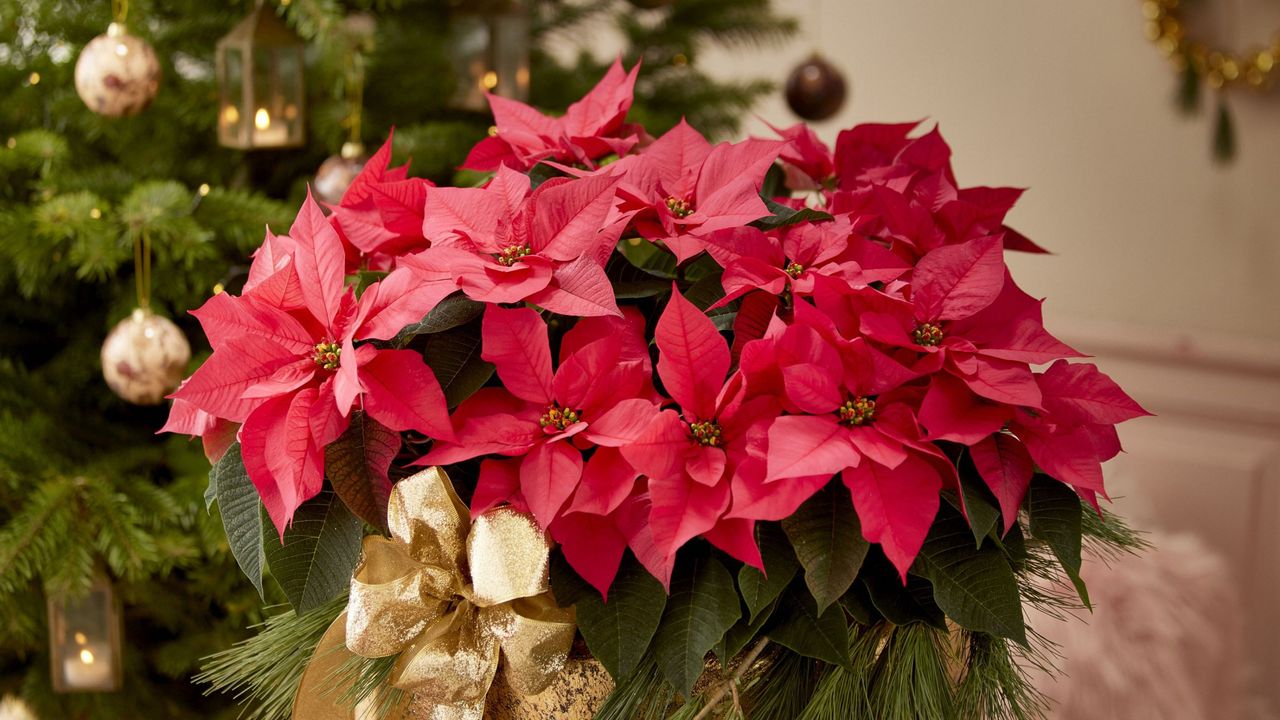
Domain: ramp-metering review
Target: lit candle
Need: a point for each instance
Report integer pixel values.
(267, 133)
(89, 668)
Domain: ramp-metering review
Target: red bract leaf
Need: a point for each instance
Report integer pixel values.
(607, 480)
(220, 383)
(578, 288)
(402, 393)
(602, 109)
(951, 411)
(515, 341)
(693, 359)
(319, 261)
(1006, 467)
(403, 297)
(801, 445)
(224, 317)
(896, 506)
(568, 217)
(683, 509)
(957, 281)
(593, 546)
(548, 476)
(499, 483)
(263, 429)
(737, 536)
(1068, 455)
(1079, 393)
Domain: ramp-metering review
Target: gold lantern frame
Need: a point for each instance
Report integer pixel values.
(490, 50)
(261, 84)
(85, 648)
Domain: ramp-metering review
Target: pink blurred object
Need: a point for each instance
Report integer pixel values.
(1164, 641)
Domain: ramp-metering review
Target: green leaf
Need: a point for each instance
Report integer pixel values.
(743, 632)
(758, 589)
(211, 491)
(827, 538)
(649, 257)
(803, 630)
(541, 173)
(454, 356)
(900, 604)
(314, 563)
(630, 282)
(356, 465)
(242, 517)
(619, 631)
(857, 602)
(976, 588)
(978, 502)
(783, 216)
(453, 311)
(566, 585)
(702, 607)
(1055, 510)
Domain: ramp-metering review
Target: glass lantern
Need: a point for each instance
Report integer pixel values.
(490, 52)
(84, 640)
(261, 89)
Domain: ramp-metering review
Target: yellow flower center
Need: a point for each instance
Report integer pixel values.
(794, 269)
(858, 411)
(328, 355)
(706, 433)
(679, 208)
(511, 254)
(927, 335)
(556, 419)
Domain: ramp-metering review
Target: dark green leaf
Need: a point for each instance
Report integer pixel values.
(857, 602)
(759, 589)
(314, 563)
(454, 356)
(631, 282)
(783, 216)
(653, 259)
(566, 585)
(978, 502)
(1189, 88)
(356, 465)
(976, 588)
(827, 538)
(743, 632)
(900, 604)
(541, 173)
(242, 517)
(802, 630)
(702, 607)
(1224, 134)
(1055, 510)
(775, 182)
(455, 310)
(619, 631)
(210, 491)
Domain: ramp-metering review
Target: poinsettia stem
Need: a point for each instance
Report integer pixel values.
(731, 683)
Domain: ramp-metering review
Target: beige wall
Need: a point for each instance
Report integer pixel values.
(1070, 100)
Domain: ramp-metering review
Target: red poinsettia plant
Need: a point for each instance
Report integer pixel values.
(666, 348)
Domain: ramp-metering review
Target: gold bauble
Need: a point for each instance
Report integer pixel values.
(336, 173)
(144, 358)
(117, 74)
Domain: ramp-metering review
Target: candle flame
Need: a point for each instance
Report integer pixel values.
(86, 656)
(80, 638)
(262, 119)
(230, 115)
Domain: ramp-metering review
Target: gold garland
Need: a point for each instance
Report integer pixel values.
(1223, 69)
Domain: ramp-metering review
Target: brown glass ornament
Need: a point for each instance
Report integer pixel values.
(815, 89)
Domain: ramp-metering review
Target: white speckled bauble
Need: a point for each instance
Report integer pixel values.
(337, 171)
(144, 358)
(117, 74)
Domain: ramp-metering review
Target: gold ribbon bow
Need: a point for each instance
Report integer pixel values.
(451, 596)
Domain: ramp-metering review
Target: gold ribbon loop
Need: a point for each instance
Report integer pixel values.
(455, 598)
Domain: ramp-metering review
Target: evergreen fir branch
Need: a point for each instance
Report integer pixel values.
(644, 695)
(28, 542)
(1107, 535)
(783, 692)
(911, 678)
(264, 671)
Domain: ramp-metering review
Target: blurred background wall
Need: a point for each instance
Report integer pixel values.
(1166, 265)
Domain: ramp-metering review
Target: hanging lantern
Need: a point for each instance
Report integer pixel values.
(490, 52)
(84, 640)
(262, 96)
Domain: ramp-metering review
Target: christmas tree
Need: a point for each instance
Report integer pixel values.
(85, 484)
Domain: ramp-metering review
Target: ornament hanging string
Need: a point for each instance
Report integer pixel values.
(142, 268)
(119, 11)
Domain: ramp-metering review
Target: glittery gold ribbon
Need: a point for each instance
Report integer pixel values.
(451, 597)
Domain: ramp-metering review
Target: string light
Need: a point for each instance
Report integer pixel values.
(1167, 30)
(33, 78)
(203, 189)
(95, 213)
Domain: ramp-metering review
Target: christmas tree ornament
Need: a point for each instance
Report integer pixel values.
(337, 171)
(815, 89)
(261, 84)
(117, 74)
(144, 357)
(84, 639)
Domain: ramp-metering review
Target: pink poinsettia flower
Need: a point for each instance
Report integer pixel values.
(1069, 439)
(292, 376)
(215, 433)
(693, 456)
(792, 257)
(380, 214)
(504, 244)
(967, 319)
(690, 189)
(600, 396)
(590, 129)
(806, 160)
